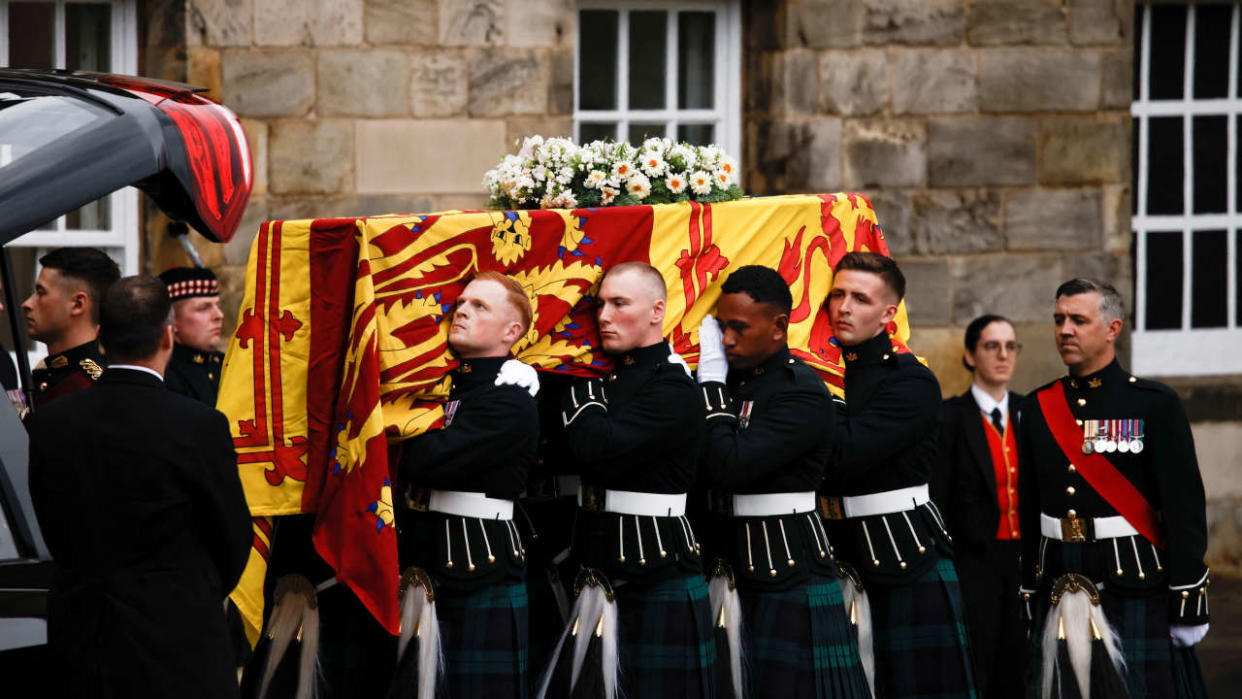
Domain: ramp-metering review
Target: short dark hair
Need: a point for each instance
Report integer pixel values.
(975, 329)
(1111, 305)
(134, 314)
(763, 284)
(87, 265)
(880, 265)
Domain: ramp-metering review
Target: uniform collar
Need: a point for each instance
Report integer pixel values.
(650, 355)
(189, 355)
(778, 359)
(877, 349)
(477, 371)
(1110, 375)
(73, 356)
(987, 403)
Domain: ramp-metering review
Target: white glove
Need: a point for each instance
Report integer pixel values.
(515, 373)
(675, 358)
(713, 366)
(1187, 636)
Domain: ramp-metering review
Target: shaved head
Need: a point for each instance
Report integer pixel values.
(649, 278)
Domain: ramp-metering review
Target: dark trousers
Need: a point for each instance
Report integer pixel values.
(990, 577)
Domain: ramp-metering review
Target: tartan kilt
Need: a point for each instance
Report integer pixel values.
(920, 637)
(799, 643)
(484, 637)
(666, 645)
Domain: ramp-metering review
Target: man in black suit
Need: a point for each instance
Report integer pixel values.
(975, 485)
(137, 494)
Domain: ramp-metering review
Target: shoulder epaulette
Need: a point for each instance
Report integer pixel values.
(91, 368)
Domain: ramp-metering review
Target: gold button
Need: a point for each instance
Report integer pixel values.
(1070, 490)
(903, 563)
(1132, 379)
(1079, 422)
(885, 357)
(1082, 401)
(1072, 469)
(1071, 514)
(1073, 383)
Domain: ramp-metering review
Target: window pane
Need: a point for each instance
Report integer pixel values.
(1211, 168)
(597, 59)
(95, 216)
(1164, 281)
(696, 59)
(31, 44)
(1164, 166)
(88, 37)
(1168, 51)
(697, 134)
(640, 132)
(648, 44)
(1208, 271)
(597, 132)
(1212, 50)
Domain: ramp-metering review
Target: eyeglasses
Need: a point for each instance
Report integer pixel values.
(994, 346)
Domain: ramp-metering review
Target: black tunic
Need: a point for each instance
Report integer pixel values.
(66, 372)
(194, 373)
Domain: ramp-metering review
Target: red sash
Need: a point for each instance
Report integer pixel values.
(1097, 470)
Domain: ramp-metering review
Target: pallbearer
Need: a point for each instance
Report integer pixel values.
(770, 427)
(458, 544)
(875, 493)
(194, 369)
(1112, 513)
(642, 601)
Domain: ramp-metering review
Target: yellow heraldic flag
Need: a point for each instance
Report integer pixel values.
(341, 345)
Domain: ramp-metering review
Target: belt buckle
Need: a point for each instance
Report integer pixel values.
(592, 498)
(417, 499)
(1074, 530)
(832, 507)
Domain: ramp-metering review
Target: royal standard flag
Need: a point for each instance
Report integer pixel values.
(341, 344)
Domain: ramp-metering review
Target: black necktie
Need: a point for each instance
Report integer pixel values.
(996, 420)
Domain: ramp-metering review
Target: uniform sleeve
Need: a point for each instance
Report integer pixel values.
(609, 443)
(792, 422)
(481, 429)
(1028, 492)
(1177, 477)
(897, 418)
(946, 489)
(224, 502)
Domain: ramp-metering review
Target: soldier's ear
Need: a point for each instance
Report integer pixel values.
(1114, 328)
(781, 323)
(657, 311)
(79, 303)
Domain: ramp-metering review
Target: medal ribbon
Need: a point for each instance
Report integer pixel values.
(1097, 470)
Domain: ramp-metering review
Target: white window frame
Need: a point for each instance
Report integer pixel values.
(727, 88)
(1187, 351)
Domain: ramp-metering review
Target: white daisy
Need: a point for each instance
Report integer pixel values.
(676, 182)
(652, 164)
(700, 182)
(594, 180)
(638, 186)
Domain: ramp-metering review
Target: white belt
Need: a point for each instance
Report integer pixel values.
(465, 504)
(628, 502)
(770, 504)
(1101, 527)
(888, 502)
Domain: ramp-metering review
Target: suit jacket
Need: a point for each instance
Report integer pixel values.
(137, 493)
(964, 481)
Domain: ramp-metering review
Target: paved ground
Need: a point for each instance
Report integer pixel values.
(1221, 652)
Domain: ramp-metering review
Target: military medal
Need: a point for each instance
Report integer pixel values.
(1101, 436)
(1110, 444)
(743, 415)
(450, 409)
(1088, 445)
(1136, 445)
(1123, 444)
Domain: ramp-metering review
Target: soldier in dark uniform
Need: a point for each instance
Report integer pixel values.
(142, 508)
(194, 370)
(458, 487)
(976, 487)
(876, 495)
(1110, 490)
(769, 435)
(635, 437)
(63, 313)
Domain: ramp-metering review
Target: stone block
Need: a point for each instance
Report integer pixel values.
(761, 81)
(820, 154)
(1115, 269)
(1084, 150)
(561, 90)
(800, 157)
(315, 23)
(429, 156)
(928, 291)
(980, 151)
(957, 221)
(914, 22)
(218, 23)
(472, 22)
(1016, 22)
(1100, 22)
(853, 82)
(406, 22)
(823, 24)
(1115, 218)
(1053, 219)
(892, 212)
(542, 23)
(237, 250)
(941, 347)
(459, 202)
(1117, 79)
(1019, 287)
(885, 153)
(202, 68)
(1038, 80)
(799, 82)
(932, 81)
(274, 82)
(311, 157)
(507, 81)
(438, 80)
(256, 135)
(364, 82)
(518, 128)
(1039, 361)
